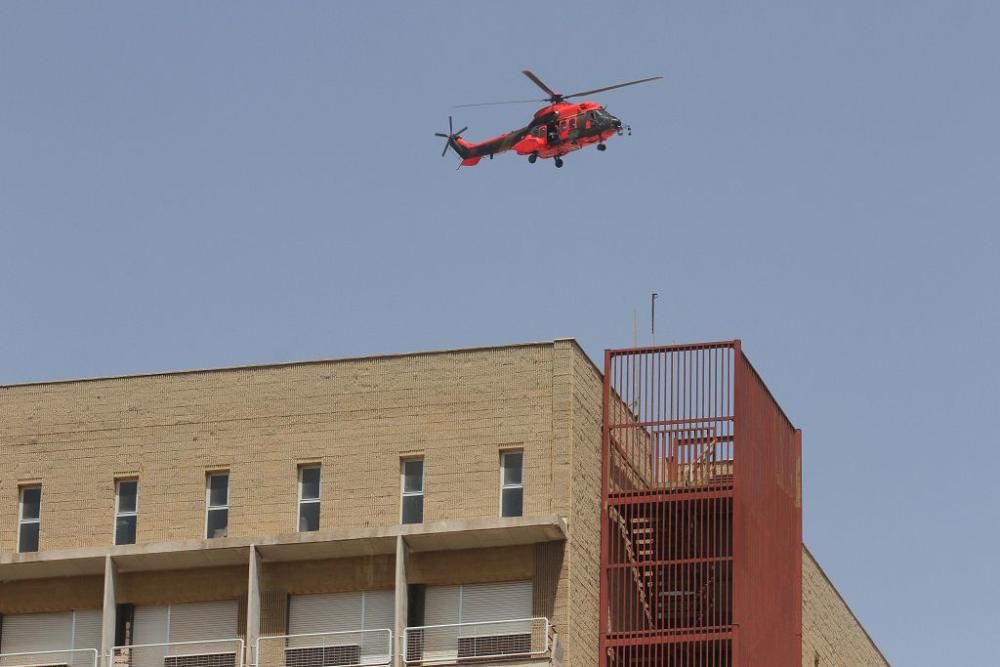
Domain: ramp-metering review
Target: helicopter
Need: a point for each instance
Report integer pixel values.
(556, 129)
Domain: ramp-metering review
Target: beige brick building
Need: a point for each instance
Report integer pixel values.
(422, 509)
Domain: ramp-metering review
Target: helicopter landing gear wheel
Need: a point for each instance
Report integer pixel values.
(532, 158)
(559, 163)
(602, 147)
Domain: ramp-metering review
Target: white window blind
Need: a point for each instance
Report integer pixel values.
(81, 629)
(334, 612)
(442, 604)
(475, 603)
(191, 622)
(355, 614)
(149, 625)
(496, 602)
(204, 620)
(471, 610)
(380, 610)
(87, 628)
(37, 632)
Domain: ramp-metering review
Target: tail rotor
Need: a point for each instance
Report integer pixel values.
(451, 136)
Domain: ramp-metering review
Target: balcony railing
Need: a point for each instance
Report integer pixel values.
(203, 653)
(467, 642)
(65, 658)
(352, 648)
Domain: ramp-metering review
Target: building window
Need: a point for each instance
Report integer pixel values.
(30, 519)
(309, 498)
(126, 510)
(217, 493)
(512, 483)
(413, 491)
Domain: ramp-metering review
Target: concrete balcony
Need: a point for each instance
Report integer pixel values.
(349, 648)
(67, 658)
(506, 643)
(199, 653)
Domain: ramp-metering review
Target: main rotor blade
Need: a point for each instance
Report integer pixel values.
(446, 146)
(491, 104)
(440, 134)
(618, 85)
(461, 131)
(538, 82)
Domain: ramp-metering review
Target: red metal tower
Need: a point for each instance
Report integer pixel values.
(701, 537)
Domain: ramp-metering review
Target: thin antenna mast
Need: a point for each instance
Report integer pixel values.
(652, 316)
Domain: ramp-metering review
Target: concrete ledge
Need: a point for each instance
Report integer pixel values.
(336, 543)
(483, 533)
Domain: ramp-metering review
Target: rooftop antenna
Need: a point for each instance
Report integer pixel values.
(652, 316)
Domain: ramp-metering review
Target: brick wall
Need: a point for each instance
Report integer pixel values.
(585, 522)
(831, 635)
(356, 417)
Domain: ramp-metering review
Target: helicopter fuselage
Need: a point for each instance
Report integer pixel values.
(554, 131)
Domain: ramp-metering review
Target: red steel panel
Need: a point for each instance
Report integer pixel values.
(701, 513)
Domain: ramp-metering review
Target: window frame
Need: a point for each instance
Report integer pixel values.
(503, 482)
(309, 501)
(21, 520)
(118, 511)
(209, 507)
(403, 493)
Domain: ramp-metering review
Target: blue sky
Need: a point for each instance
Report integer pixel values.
(206, 184)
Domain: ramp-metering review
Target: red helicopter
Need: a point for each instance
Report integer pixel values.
(559, 128)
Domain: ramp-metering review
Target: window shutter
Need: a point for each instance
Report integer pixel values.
(441, 605)
(330, 612)
(23, 633)
(204, 620)
(198, 621)
(192, 622)
(334, 612)
(380, 613)
(380, 610)
(87, 629)
(506, 601)
(149, 626)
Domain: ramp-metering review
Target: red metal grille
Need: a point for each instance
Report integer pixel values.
(697, 526)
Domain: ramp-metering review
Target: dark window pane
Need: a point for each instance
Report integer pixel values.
(308, 517)
(218, 486)
(127, 495)
(310, 483)
(125, 530)
(28, 538)
(218, 523)
(31, 502)
(513, 501)
(413, 476)
(512, 464)
(413, 509)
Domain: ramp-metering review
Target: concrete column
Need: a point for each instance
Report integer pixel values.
(253, 605)
(402, 600)
(109, 619)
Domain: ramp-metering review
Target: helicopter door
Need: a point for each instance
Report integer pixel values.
(552, 133)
